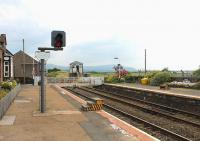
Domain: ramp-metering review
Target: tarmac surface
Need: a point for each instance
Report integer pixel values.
(63, 121)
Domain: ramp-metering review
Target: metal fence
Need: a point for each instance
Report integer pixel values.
(62, 80)
(6, 101)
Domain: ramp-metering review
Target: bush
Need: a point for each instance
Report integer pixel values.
(14, 83)
(53, 70)
(112, 79)
(6, 85)
(3, 93)
(197, 74)
(150, 74)
(129, 78)
(196, 86)
(160, 78)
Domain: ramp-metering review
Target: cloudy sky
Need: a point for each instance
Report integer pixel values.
(99, 30)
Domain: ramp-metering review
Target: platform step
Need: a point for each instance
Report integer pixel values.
(97, 107)
(98, 100)
(93, 107)
(90, 103)
(85, 107)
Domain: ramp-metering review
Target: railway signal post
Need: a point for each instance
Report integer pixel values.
(57, 42)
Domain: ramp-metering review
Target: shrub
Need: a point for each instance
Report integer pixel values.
(3, 93)
(160, 78)
(53, 70)
(150, 74)
(112, 79)
(196, 86)
(197, 74)
(6, 85)
(14, 83)
(129, 78)
(165, 70)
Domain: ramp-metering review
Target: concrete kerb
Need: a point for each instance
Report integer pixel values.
(6, 101)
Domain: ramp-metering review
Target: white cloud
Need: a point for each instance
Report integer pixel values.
(169, 30)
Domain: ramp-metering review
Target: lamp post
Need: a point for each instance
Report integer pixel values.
(145, 61)
(119, 67)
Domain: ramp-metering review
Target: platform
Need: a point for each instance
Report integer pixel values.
(63, 121)
(180, 92)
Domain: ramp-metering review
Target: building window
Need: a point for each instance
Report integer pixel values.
(6, 69)
(6, 63)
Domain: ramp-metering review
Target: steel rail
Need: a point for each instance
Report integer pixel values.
(144, 108)
(153, 104)
(144, 122)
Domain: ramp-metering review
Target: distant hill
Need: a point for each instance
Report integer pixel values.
(102, 68)
(51, 66)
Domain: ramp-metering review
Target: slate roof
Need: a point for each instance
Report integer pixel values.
(76, 63)
(8, 53)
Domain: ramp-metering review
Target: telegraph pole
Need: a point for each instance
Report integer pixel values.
(145, 61)
(24, 62)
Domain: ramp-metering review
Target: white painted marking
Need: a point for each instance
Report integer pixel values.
(155, 139)
(62, 92)
(22, 101)
(115, 127)
(51, 113)
(7, 120)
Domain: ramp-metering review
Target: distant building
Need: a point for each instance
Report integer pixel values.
(31, 67)
(76, 69)
(3, 44)
(8, 65)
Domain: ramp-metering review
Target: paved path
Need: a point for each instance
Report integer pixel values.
(49, 128)
(62, 122)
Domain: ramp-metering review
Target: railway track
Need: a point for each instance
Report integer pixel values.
(194, 119)
(174, 110)
(143, 108)
(155, 128)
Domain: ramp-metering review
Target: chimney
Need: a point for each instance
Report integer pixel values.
(3, 41)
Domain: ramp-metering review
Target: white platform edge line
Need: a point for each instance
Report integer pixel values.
(132, 126)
